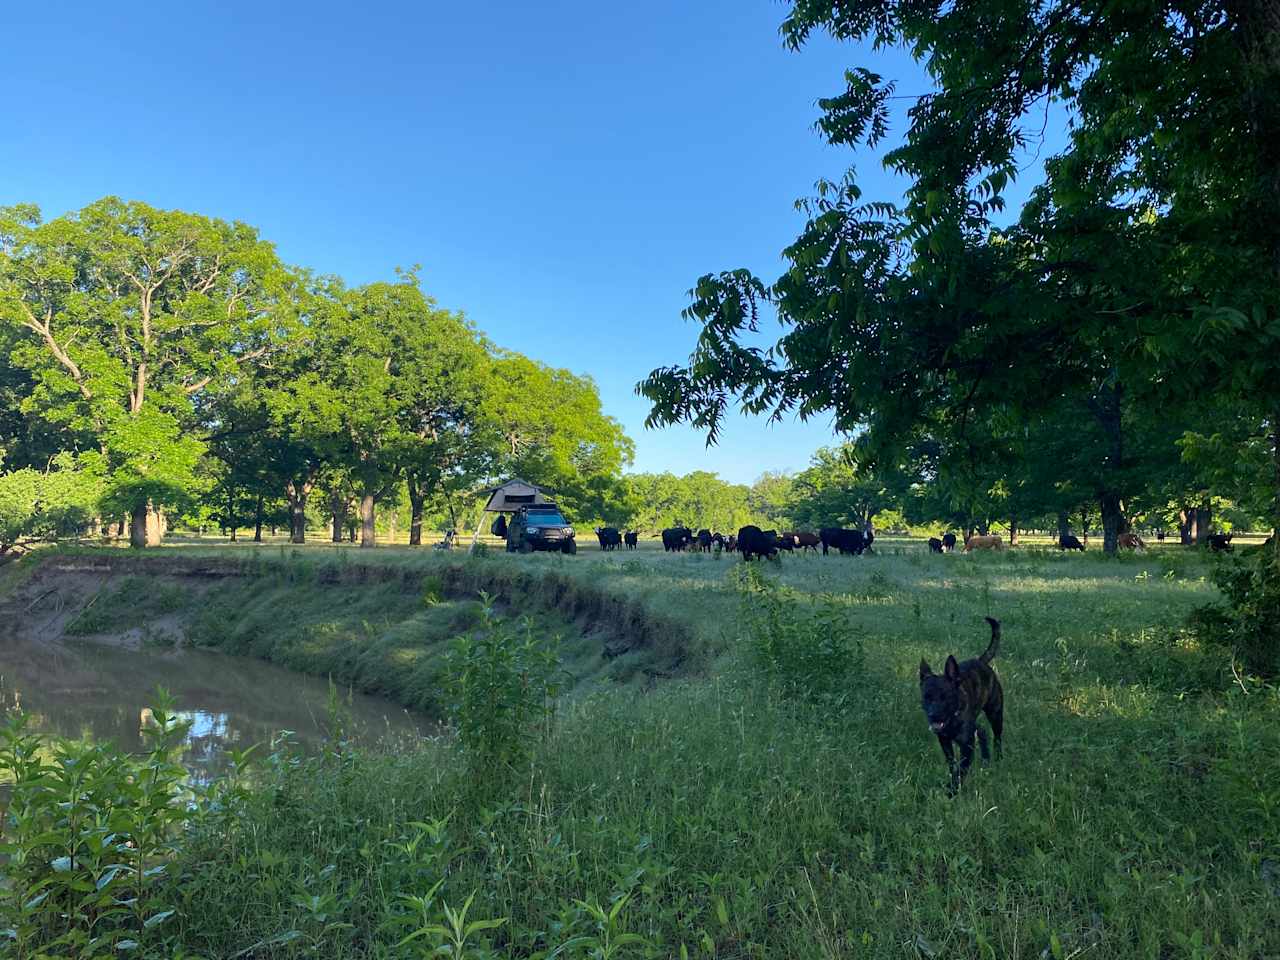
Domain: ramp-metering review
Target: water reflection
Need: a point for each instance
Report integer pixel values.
(104, 693)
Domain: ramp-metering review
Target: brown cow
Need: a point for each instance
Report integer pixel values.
(805, 541)
(1130, 541)
(992, 542)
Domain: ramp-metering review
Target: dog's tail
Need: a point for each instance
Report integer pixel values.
(994, 647)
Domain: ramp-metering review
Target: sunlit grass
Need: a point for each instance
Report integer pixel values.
(1134, 815)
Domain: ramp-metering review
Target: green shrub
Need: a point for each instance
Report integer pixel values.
(503, 680)
(1248, 623)
(88, 833)
(808, 649)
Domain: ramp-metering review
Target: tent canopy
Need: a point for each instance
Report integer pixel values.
(514, 494)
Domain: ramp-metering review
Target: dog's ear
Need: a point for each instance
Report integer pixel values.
(952, 670)
(925, 672)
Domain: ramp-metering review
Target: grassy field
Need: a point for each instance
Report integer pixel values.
(1136, 812)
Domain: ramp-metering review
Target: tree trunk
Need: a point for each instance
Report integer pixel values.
(257, 520)
(367, 536)
(1202, 523)
(231, 511)
(156, 526)
(1013, 531)
(1084, 526)
(298, 519)
(339, 506)
(1184, 525)
(1064, 525)
(415, 520)
(120, 525)
(1112, 522)
(138, 526)
(416, 500)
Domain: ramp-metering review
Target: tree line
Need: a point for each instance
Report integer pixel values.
(158, 364)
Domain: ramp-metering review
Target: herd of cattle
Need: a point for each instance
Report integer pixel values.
(750, 541)
(754, 543)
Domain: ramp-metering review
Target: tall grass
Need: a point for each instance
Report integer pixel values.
(1136, 812)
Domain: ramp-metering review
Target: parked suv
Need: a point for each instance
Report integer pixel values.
(540, 527)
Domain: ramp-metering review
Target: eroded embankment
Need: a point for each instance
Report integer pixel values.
(377, 627)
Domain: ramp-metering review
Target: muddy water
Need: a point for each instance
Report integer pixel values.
(83, 689)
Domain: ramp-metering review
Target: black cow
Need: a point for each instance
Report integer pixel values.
(786, 541)
(609, 537)
(675, 539)
(935, 545)
(846, 541)
(1069, 542)
(704, 541)
(948, 541)
(1219, 542)
(754, 542)
(631, 538)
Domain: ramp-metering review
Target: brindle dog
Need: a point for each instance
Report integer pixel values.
(951, 703)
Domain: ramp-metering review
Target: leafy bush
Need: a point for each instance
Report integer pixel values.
(1249, 622)
(503, 680)
(42, 506)
(808, 649)
(88, 833)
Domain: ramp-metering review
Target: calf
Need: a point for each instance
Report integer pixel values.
(948, 541)
(990, 542)
(1220, 542)
(704, 541)
(787, 542)
(935, 545)
(1130, 541)
(631, 538)
(1069, 542)
(807, 541)
(609, 537)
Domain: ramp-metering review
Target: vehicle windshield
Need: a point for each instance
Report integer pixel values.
(545, 518)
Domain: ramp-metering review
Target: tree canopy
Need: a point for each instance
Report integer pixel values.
(175, 361)
(1142, 275)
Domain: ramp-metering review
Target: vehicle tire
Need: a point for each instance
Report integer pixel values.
(571, 547)
(526, 546)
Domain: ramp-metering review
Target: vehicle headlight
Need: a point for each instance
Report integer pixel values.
(534, 529)
(568, 531)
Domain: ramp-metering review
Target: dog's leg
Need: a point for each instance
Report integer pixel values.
(995, 716)
(982, 743)
(966, 755)
(948, 751)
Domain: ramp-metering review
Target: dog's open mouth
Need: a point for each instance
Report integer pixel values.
(937, 725)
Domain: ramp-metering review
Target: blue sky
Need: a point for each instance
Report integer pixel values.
(563, 171)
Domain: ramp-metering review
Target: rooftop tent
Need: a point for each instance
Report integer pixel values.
(514, 494)
(510, 497)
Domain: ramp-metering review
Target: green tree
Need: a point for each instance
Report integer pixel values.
(126, 314)
(552, 431)
(1146, 267)
(39, 506)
